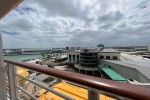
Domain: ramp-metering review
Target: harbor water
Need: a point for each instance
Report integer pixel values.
(22, 57)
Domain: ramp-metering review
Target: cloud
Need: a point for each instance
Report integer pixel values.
(61, 23)
(9, 33)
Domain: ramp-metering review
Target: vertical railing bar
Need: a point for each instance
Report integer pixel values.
(93, 94)
(47, 88)
(15, 80)
(3, 94)
(27, 93)
(12, 79)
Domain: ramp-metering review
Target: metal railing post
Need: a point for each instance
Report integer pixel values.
(12, 82)
(93, 94)
(3, 94)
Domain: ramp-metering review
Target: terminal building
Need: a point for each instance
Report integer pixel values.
(130, 67)
(87, 60)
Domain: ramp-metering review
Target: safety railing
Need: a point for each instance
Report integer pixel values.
(94, 85)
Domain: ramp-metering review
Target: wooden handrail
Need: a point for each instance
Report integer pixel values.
(122, 89)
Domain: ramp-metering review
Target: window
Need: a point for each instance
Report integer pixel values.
(77, 58)
(107, 57)
(115, 57)
(101, 57)
(69, 58)
(73, 58)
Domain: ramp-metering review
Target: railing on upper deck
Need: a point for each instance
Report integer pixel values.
(93, 84)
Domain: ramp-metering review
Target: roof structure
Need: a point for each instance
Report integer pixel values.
(112, 74)
(76, 92)
(40, 77)
(7, 5)
(86, 68)
(142, 67)
(96, 50)
(109, 51)
(74, 52)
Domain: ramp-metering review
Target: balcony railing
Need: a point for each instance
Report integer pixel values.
(94, 85)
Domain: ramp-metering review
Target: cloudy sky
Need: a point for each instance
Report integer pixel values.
(61, 23)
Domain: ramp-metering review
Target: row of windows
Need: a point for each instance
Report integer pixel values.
(73, 56)
(73, 59)
(108, 57)
(88, 61)
(101, 57)
(88, 65)
(90, 58)
(88, 54)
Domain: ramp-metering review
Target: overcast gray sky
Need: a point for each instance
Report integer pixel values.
(61, 23)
